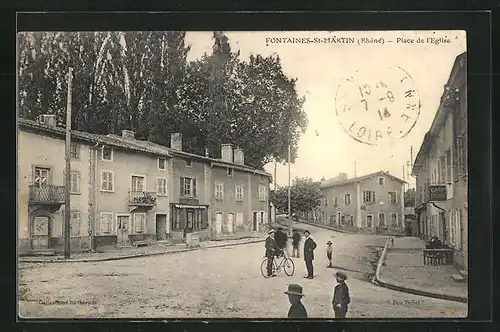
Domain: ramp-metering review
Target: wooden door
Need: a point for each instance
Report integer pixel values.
(230, 223)
(189, 220)
(122, 228)
(218, 223)
(40, 232)
(161, 227)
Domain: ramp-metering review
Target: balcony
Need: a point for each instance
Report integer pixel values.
(47, 195)
(142, 199)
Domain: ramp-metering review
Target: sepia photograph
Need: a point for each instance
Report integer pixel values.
(242, 174)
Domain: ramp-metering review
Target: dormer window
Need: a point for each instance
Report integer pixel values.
(189, 163)
(381, 181)
(162, 164)
(229, 171)
(107, 153)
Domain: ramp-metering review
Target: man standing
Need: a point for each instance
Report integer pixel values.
(309, 246)
(270, 252)
(297, 310)
(295, 243)
(280, 239)
(341, 297)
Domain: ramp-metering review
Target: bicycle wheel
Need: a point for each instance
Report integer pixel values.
(289, 267)
(263, 268)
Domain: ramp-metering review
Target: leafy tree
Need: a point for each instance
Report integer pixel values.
(409, 197)
(305, 195)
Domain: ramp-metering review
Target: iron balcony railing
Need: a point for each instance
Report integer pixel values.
(142, 198)
(48, 194)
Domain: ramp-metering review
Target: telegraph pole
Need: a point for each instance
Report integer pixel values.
(67, 207)
(289, 191)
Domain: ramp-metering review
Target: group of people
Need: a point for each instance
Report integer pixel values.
(276, 247)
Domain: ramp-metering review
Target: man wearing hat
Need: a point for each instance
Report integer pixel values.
(270, 251)
(341, 297)
(297, 310)
(309, 246)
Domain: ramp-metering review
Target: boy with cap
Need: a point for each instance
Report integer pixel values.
(329, 252)
(341, 297)
(297, 310)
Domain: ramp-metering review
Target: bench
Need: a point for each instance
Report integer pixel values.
(438, 256)
(140, 244)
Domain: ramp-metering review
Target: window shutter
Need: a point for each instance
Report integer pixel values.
(181, 186)
(373, 196)
(194, 187)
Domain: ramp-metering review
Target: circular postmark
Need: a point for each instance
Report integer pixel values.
(377, 106)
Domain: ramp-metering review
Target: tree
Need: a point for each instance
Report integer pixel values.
(305, 195)
(409, 197)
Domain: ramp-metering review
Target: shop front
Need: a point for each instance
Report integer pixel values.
(187, 218)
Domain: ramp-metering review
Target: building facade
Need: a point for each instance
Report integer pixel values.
(441, 169)
(374, 201)
(125, 190)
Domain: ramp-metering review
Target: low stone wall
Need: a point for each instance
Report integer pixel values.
(76, 244)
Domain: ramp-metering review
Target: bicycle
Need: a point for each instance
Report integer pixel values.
(286, 263)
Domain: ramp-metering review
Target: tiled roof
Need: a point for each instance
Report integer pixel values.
(335, 182)
(129, 144)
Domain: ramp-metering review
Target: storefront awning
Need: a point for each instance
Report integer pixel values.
(183, 206)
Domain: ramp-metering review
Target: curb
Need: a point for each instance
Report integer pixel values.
(380, 282)
(91, 260)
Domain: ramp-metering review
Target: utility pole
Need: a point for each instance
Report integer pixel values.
(67, 207)
(289, 190)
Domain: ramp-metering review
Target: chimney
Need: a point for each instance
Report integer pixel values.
(47, 119)
(239, 156)
(128, 134)
(227, 153)
(176, 141)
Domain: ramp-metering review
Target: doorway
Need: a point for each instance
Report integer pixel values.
(369, 221)
(161, 227)
(444, 229)
(189, 220)
(40, 232)
(254, 221)
(230, 223)
(218, 223)
(123, 226)
(381, 220)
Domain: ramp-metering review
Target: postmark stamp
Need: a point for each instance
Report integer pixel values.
(376, 106)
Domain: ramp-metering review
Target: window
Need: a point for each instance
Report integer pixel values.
(219, 190)
(75, 150)
(381, 219)
(74, 184)
(239, 219)
(138, 183)
(229, 171)
(239, 193)
(394, 220)
(347, 199)
(335, 201)
(162, 164)
(369, 196)
(381, 181)
(162, 186)
(41, 176)
(326, 201)
(176, 219)
(139, 222)
(448, 166)
(393, 197)
(106, 222)
(262, 193)
(75, 223)
(188, 187)
(107, 153)
(107, 181)
(189, 163)
(351, 220)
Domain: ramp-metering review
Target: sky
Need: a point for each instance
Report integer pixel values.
(327, 148)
